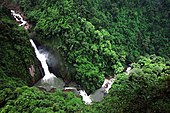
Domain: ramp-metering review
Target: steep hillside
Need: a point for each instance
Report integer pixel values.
(96, 38)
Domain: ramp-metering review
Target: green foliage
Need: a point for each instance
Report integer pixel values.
(7, 86)
(145, 89)
(16, 52)
(78, 40)
(36, 101)
(107, 33)
(97, 38)
(142, 27)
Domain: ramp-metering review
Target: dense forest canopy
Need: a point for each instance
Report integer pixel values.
(96, 39)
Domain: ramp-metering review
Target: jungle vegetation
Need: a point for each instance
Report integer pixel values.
(96, 38)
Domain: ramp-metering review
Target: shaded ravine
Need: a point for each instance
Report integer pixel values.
(50, 81)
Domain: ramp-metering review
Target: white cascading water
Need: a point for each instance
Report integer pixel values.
(98, 95)
(50, 81)
(107, 84)
(86, 98)
(49, 78)
(128, 69)
(18, 18)
(42, 59)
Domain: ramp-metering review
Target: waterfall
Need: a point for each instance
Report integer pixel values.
(18, 18)
(42, 58)
(86, 98)
(128, 69)
(49, 81)
(99, 94)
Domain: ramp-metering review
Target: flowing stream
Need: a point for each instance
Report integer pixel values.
(50, 81)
